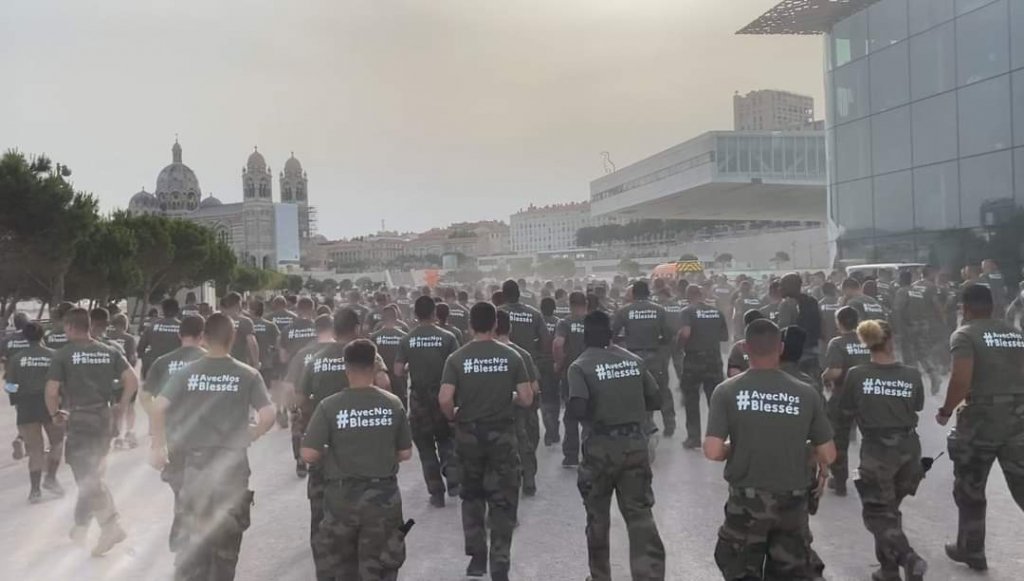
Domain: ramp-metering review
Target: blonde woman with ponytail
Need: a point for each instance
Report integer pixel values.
(884, 397)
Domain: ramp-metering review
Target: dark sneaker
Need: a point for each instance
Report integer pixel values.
(691, 444)
(18, 446)
(499, 576)
(282, 418)
(51, 485)
(669, 431)
(301, 470)
(453, 490)
(838, 486)
(886, 575)
(35, 497)
(111, 535)
(914, 568)
(975, 562)
(529, 490)
(570, 462)
(437, 500)
(477, 566)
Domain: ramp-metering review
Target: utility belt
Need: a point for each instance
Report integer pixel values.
(889, 435)
(473, 426)
(746, 492)
(619, 430)
(363, 480)
(1010, 398)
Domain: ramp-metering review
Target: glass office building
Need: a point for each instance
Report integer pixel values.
(924, 119)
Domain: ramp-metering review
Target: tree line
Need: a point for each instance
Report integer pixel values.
(55, 245)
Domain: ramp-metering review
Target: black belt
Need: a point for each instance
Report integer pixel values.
(364, 479)
(507, 423)
(616, 430)
(889, 432)
(747, 492)
(92, 406)
(995, 399)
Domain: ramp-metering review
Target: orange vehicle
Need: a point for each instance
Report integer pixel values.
(676, 270)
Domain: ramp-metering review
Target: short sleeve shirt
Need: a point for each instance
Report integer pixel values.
(844, 352)
(387, 341)
(529, 330)
(998, 352)
(738, 358)
(297, 364)
(769, 417)
(161, 337)
(883, 396)
(425, 349)
(828, 307)
(10, 346)
(458, 316)
(301, 332)
(708, 328)
(485, 375)
(645, 325)
(167, 365)
(213, 397)
(283, 319)
(614, 382)
(128, 344)
(87, 372)
(28, 370)
(266, 337)
(868, 308)
(571, 330)
(243, 330)
(361, 432)
(56, 339)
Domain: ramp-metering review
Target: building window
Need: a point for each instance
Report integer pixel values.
(982, 43)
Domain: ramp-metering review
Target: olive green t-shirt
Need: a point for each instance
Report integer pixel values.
(615, 383)
(387, 341)
(458, 316)
(159, 338)
(741, 305)
(532, 372)
(28, 369)
(324, 372)
(212, 398)
(56, 339)
(828, 307)
(998, 352)
(360, 432)
(769, 418)
(883, 396)
(571, 330)
(788, 313)
(844, 352)
(167, 365)
(868, 308)
(240, 348)
(128, 343)
(283, 319)
(645, 325)
(10, 346)
(425, 349)
(485, 375)
(920, 306)
(87, 372)
(708, 328)
(267, 334)
(528, 329)
(738, 358)
(298, 363)
(301, 332)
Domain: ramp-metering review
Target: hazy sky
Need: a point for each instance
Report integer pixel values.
(417, 112)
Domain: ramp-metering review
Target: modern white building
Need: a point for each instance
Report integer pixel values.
(770, 110)
(554, 227)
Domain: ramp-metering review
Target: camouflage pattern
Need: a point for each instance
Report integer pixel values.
(842, 427)
(550, 399)
(657, 363)
(297, 421)
(360, 530)
(85, 451)
(315, 487)
(573, 427)
(921, 347)
(616, 462)
(766, 536)
(489, 458)
(216, 505)
(890, 470)
(173, 474)
(986, 430)
(701, 370)
(433, 438)
(528, 438)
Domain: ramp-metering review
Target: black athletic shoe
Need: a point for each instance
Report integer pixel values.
(914, 567)
(529, 490)
(975, 562)
(477, 566)
(453, 490)
(691, 444)
(18, 448)
(570, 462)
(669, 431)
(838, 486)
(437, 500)
(301, 470)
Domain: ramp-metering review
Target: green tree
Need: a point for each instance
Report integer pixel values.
(294, 284)
(345, 285)
(106, 265)
(43, 223)
(688, 258)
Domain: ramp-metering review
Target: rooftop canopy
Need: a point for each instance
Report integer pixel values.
(804, 16)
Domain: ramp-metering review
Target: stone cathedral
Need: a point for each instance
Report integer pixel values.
(250, 227)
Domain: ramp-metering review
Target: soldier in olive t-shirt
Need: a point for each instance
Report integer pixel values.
(883, 396)
(159, 338)
(485, 375)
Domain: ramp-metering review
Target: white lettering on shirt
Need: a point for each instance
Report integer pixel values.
(428, 342)
(34, 362)
(328, 364)
(768, 403)
(213, 383)
(618, 370)
(371, 418)
(388, 340)
(643, 315)
(485, 365)
(520, 317)
(169, 327)
(888, 387)
(857, 349)
(1008, 340)
(90, 358)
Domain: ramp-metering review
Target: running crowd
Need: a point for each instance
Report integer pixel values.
(789, 368)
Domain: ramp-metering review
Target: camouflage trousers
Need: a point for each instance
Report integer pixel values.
(890, 470)
(216, 504)
(921, 348)
(842, 424)
(616, 461)
(657, 363)
(298, 422)
(528, 438)
(432, 435)
(315, 488)
(489, 457)
(987, 430)
(85, 451)
(359, 534)
(702, 370)
(174, 475)
(766, 536)
(574, 430)
(550, 400)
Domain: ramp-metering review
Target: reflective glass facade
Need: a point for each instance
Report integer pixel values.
(925, 123)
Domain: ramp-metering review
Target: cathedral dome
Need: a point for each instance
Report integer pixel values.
(177, 188)
(256, 163)
(143, 199)
(292, 166)
(210, 202)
